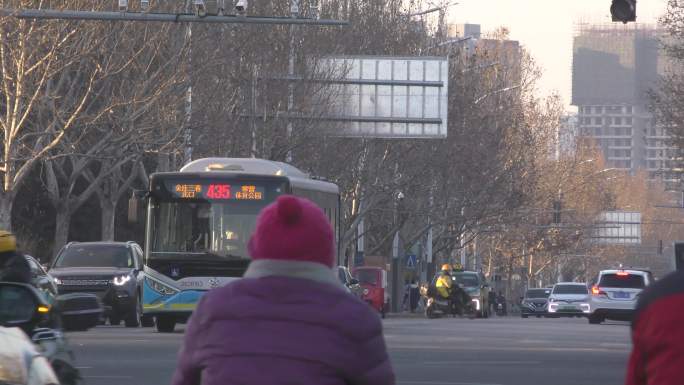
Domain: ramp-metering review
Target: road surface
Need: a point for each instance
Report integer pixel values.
(496, 351)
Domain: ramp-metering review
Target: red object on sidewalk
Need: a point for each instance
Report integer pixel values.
(373, 280)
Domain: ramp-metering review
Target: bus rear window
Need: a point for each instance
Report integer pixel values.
(629, 281)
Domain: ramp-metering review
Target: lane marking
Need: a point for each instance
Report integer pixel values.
(443, 383)
(615, 345)
(495, 349)
(471, 363)
(84, 367)
(111, 377)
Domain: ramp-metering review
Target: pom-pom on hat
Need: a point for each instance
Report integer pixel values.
(295, 229)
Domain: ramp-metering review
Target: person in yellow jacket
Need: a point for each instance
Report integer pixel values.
(13, 266)
(444, 282)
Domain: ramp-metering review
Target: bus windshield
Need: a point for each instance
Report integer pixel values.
(206, 219)
(215, 229)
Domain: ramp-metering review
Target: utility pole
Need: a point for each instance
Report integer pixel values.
(463, 250)
(396, 257)
(187, 134)
(252, 112)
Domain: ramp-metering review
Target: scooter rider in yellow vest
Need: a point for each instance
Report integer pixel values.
(444, 282)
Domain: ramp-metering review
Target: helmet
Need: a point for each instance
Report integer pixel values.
(8, 242)
(446, 267)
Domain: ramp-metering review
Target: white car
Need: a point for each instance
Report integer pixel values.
(616, 293)
(569, 299)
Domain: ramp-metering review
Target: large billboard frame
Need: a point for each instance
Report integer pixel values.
(389, 96)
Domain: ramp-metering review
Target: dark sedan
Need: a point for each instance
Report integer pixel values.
(535, 303)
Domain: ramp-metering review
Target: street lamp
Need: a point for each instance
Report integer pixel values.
(451, 41)
(483, 97)
(431, 10)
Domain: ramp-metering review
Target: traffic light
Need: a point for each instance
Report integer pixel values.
(623, 10)
(557, 212)
(679, 255)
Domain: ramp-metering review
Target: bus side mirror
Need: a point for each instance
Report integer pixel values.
(134, 206)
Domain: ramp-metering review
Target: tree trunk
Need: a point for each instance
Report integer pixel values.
(6, 202)
(108, 210)
(62, 224)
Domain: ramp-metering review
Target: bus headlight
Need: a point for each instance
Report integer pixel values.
(160, 288)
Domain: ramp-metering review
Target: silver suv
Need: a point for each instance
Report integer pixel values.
(615, 294)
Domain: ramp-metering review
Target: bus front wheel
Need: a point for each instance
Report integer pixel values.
(165, 324)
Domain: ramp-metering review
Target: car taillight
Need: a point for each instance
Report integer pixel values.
(596, 291)
(622, 273)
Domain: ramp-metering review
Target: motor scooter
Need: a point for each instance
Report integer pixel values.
(30, 328)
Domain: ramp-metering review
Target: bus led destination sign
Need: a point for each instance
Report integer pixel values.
(218, 191)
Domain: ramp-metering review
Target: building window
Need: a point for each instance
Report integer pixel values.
(586, 121)
(651, 164)
(629, 109)
(598, 121)
(598, 109)
(628, 131)
(599, 131)
(628, 120)
(617, 120)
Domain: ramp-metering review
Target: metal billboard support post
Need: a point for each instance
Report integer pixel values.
(294, 12)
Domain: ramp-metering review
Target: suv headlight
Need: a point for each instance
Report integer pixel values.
(121, 280)
(160, 288)
(57, 280)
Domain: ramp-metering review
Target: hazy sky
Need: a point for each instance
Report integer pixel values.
(546, 28)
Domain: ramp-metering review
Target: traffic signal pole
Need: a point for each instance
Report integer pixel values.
(163, 17)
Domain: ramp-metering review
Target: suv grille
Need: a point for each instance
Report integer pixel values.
(70, 284)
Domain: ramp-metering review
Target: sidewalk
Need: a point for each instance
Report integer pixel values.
(418, 314)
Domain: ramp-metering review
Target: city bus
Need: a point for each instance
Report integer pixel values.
(199, 221)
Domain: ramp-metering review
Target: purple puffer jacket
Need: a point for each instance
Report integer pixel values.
(279, 327)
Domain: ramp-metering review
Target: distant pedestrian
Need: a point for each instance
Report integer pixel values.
(501, 299)
(492, 300)
(658, 334)
(405, 301)
(289, 320)
(414, 295)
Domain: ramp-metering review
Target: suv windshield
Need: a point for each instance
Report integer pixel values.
(570, 289)
(95, 256)
(538, 293)
(628, 281)
(467, 279)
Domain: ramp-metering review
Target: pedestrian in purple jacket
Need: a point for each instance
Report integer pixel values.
(289, 320)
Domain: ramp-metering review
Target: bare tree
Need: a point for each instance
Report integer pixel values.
(47, 82)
